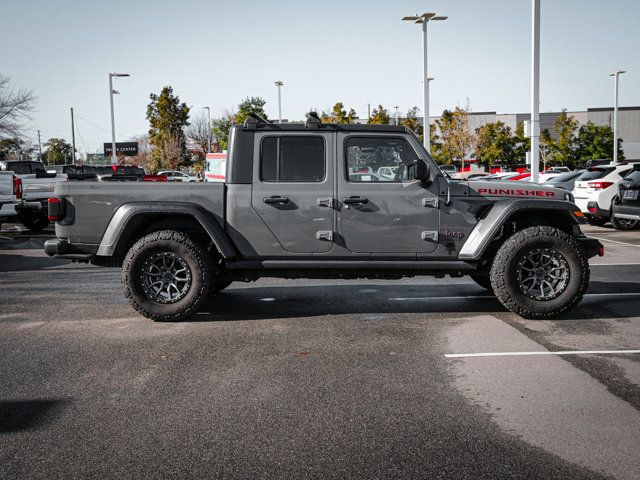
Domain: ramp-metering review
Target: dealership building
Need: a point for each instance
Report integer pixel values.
(628, 123)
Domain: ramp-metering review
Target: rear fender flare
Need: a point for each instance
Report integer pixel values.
(121, 220)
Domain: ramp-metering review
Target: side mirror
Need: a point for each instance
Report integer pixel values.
(420, 170)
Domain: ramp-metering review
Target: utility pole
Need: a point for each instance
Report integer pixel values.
(396, 107)
(114, 157)
(279, 84)
(424, 19)
(73, 140)
(368, 111)
(535, 90)
(39, 148)
(616, 76)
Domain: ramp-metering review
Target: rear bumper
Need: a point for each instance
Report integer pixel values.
(626, 211)
(60, 248)
(594, 210)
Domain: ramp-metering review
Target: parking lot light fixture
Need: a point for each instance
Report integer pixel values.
(616, 76)
(279, 84)
(114, 157)
(208, 126)
(424, 19)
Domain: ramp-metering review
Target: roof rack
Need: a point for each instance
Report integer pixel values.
(313, 121)
(254, 121)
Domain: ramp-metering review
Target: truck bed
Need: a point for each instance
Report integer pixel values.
(90, 206)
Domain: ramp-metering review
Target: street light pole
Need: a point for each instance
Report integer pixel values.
(73, 140)
(535, 90)
(616, 75)
(396, 107)
(424, 19)
(279, 84)
(208, 126)
(114, 157)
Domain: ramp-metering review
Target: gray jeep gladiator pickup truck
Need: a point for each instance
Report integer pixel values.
(306, 201)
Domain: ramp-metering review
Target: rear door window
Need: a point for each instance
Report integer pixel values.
(292, 159)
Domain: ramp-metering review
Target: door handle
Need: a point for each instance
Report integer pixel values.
(355, 200)
(276, 200)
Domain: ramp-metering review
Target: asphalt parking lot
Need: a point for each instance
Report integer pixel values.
(322, 379)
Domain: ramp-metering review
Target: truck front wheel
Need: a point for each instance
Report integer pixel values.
(540, 272)
(167, 276)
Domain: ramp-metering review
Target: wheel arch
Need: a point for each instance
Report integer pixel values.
(508, 217)
(133, 221)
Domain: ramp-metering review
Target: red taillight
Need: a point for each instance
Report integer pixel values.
(592, 209)
(601, 250)
(55, 209)
(599, 185)
(17, 187)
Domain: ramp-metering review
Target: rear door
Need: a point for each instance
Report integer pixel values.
(380, 215)
(293, 189)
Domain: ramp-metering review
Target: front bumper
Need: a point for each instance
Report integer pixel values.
(591, 247)
(626, 211)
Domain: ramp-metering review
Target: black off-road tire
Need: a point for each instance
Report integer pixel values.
(622, 224)
(182, 246)
(35, 222)
(484, 281)
(505, 265)
(220, 284)
(596, 222)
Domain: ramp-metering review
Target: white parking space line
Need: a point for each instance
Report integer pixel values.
(405, 299)
(520, 354)
(617, 242)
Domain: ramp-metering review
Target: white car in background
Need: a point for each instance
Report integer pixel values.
(177, 176)
(595, 190)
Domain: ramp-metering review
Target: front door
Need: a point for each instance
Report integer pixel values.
(293, 189)
(382, 211)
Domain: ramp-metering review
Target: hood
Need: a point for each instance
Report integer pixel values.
(514, 189)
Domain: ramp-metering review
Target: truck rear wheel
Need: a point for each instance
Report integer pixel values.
(166, 276)
(540, 272)
(35, 222)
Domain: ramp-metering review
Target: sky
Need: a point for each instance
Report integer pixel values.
(216, 53)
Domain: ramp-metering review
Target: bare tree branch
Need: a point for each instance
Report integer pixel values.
(15, 107)
(198, 134)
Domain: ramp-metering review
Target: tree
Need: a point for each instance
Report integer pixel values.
(143, 159)
(339, 114)
(495, 144)
(198, 133)
(411, 122)
(57, 151)
(379, 116)
(521, 145)
(167, 119)
(15, 107)
(16, 149)
(595, 142)
(250, 105)
(547, 148)
(221, 127)
(457, 140)
(564, 128)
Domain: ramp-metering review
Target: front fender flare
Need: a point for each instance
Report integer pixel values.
(127, 212)
(487, 228)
